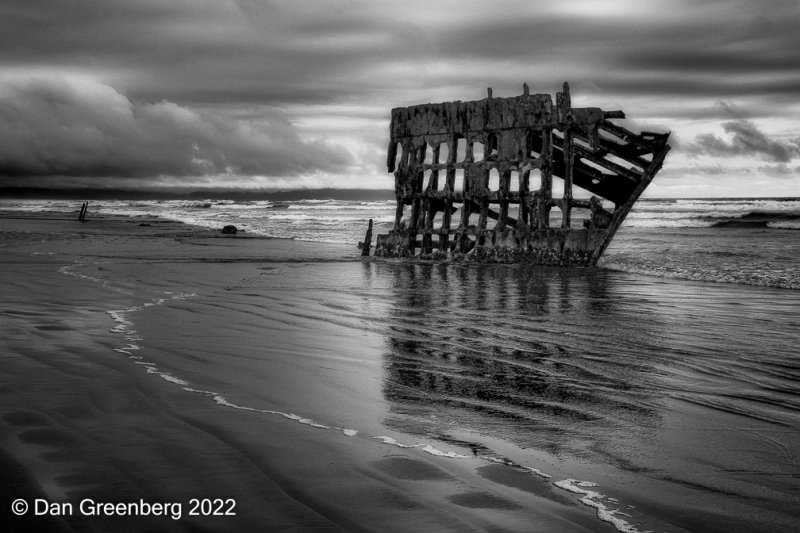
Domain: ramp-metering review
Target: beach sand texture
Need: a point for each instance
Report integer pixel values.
(150, 360)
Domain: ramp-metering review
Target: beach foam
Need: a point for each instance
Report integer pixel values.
(427, 448)
(592, 498)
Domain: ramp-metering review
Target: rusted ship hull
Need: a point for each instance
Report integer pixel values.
(475, 180)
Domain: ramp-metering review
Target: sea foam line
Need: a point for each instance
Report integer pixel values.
(512, 464)
(69, 270)
(427, 448)
(221, 400)
(124, 327)
(591, 498)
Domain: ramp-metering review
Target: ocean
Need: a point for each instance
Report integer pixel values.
(661, 389)
(749, 241)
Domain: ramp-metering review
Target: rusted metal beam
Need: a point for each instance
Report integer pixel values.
(608, 165)
(646, 143)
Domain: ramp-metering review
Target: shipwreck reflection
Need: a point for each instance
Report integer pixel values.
(543, 357)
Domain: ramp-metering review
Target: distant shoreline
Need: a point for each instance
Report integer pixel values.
(36, 193)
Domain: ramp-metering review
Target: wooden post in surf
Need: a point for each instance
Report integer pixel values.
(367, 240)
(82, 214)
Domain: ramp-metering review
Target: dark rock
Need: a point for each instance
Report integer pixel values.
(230, 230)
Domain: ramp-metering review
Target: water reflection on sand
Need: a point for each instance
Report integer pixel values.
(530, 355)
(690, 385)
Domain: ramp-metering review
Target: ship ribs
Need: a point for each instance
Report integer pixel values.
(556, 182)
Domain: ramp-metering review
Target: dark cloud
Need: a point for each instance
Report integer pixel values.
(718, 49)
(204, 51)
(211, 85)
(274, 52)
(77, 127)
(780, 170)
(746, 139)
(730, 110)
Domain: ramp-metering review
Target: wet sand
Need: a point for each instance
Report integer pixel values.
(138, 367)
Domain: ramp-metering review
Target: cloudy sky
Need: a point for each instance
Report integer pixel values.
(293, 93)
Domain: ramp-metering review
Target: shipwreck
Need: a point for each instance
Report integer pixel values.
(513, 180)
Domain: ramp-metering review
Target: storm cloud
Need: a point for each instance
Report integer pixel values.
(65, 126)
(285, 89)
(746, 139)
(273, 51)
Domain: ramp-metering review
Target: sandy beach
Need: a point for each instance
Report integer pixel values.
(299, 389)
(83, 417)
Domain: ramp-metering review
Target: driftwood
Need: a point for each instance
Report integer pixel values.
(459, 164)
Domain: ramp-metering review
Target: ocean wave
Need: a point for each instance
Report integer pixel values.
(775, 203)
(666, 223)
(344, 221)
(787, 224)
(743, 275)
(39, 206)
(717, 208)
(344, 207)
(739, 223)
(693, 218)
(789, 215)
(762, 219)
